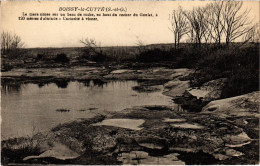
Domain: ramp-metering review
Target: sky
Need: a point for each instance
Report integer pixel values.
(108, 31)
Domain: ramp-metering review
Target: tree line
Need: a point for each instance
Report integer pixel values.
(216, 22)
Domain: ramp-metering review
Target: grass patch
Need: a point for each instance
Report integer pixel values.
(16, 149)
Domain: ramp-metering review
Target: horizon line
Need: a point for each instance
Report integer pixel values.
(124, 45)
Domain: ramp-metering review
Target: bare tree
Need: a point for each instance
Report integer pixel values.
(197, 20)
(17, 42)
(215, 21)
(207, 35)
(218, 21)
(253, 35)
(10, 42)
(3, 42)
(93, 50)
(140, 44)
(235, 22)
(89, 42)
(179, 25)
(91, 45)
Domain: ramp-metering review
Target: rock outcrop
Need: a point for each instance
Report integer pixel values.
(179, 83)
(208, 91)
(161, 132)
(244, 105)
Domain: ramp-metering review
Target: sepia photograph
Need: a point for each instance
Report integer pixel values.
(130, 82)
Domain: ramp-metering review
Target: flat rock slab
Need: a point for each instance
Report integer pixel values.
(187, 126)
(198, 93)
(233, 153)
(238, 145)
(236, 140)
(151, 143)
(132, 124)
(174, 120)
(121, 71)
(181, 72)
(141, 157)
(151, 146)
(178, 88)
(58, 151)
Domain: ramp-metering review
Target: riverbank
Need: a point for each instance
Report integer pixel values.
(201, 130)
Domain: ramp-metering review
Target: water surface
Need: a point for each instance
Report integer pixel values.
(29, 108)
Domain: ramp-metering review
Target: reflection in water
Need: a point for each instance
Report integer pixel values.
(40, 84)
(61, 83)
(35, 107)
(10, 88)
(94, 82)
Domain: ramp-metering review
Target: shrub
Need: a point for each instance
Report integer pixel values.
(244, 73)
(99, 57)
(93, 55)
(239, 66)
(61, 58)
(242, 82)
(39, 57)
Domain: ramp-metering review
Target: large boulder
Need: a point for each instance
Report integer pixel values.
(58, 151)
(179, 84)
(208, 91)
(177, 88)
(244, 105)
